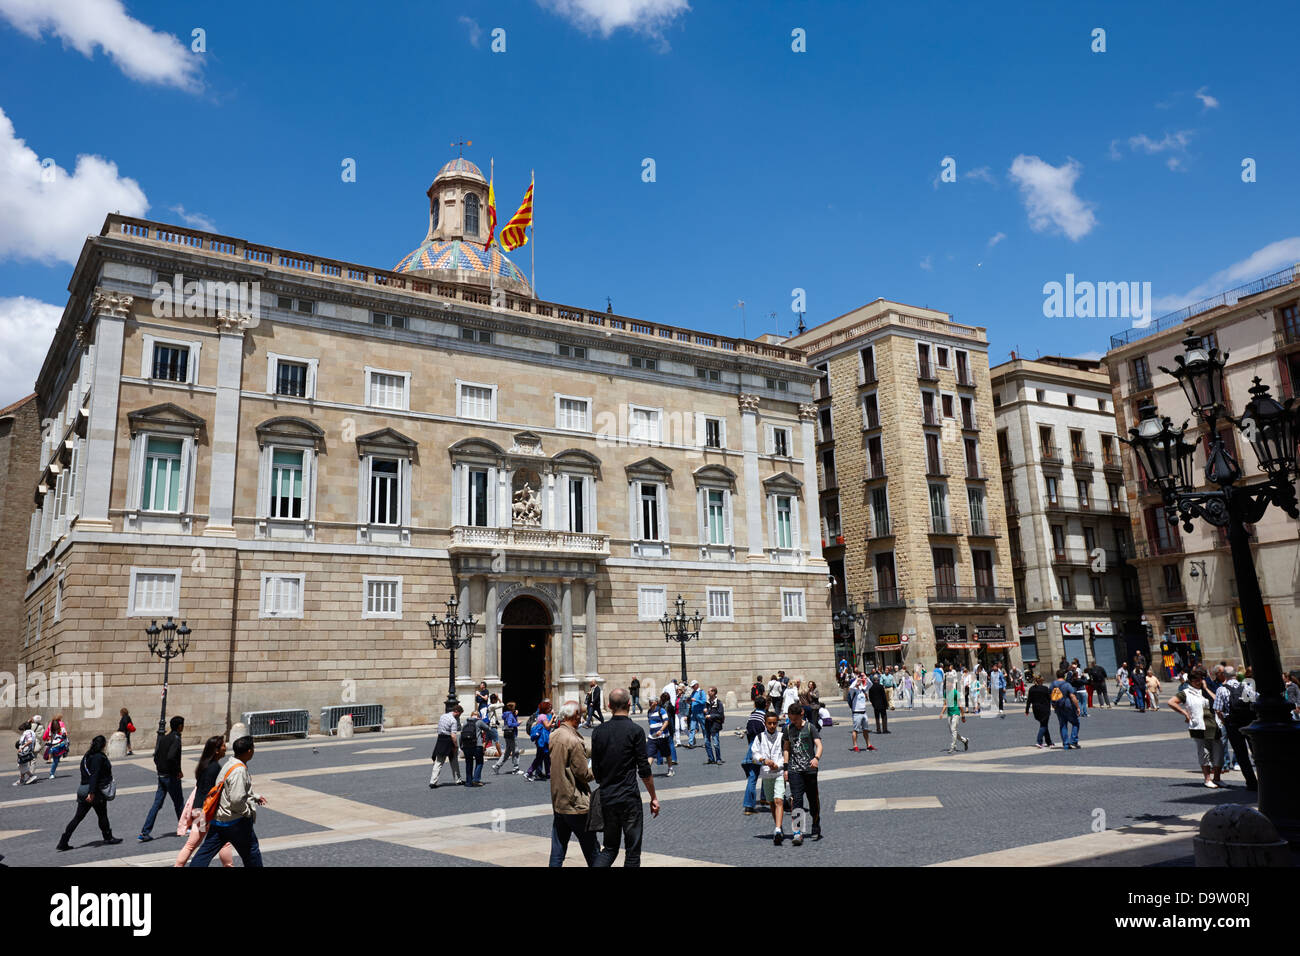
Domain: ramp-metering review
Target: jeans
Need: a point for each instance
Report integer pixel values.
(636, 703)
(596, 714)
(1044, 735)
(238, 834)
(565, 825)
(1002, 698)
(751, 783)
(1120, 693)
(1139, 699)
(509, 750)
(167, 785)
(1242, 751)
(696, 723)
(473, 765)
(623, 821)
(1069, 722)
(54, 765)
(672, 748)
(1083, 704)
(801, 782)
(712, 745)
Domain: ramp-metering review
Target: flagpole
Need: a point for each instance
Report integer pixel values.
(492, 272)
(532, 268)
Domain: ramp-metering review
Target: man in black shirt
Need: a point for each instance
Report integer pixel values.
(167, 761)
(617, 759)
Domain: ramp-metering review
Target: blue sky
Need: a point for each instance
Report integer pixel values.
(774, 169)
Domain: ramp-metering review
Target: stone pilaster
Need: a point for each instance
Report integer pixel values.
(812, 513)
(109, 311)
(754, 504)
(225, 424)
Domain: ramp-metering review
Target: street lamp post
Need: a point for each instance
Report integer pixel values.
(681, 629)
(455, 633)
(167, 642)
(1271, 429)
(847, 619)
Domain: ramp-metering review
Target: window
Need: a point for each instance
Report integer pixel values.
(868, 357)
(572, 414)
(385, 491)
(1040, 395)
(306, 306)
(972, 458)
(477, 503)
(719, 604)
(162, 475)
(778, 385)
(290, 376)
(482, 336)
(879, 512)
(1069, 399)
(713, 432)
(1098, 592)
(943, 561)
(967, 412)
(982, 565)
(941, 356)
(875, 458)
(643, 424)
(828, 469)
(1090, 539)
(715, 506)
(1053, 491)
(1085, 494)
(476, 401)
(870, 412)
(1067, 593)
(393, 321)
(997, 399)
(573, 351)
(281, 595)
(1141, 373)
(939, 509)
(289, 304)
(1046, 442)
(784, 522)
(963, 368)
(649, 364)
(779, 443)
(886, 580)
(975, 502)
(386, 389)
(709, 374)
(928, 416)
(792, 605)
(1103, 405)
(825, 424)
(649, 511)
(286, 484)
(577, 499)
(1058, 540)
(651, 603)
(1115, 493)
(831, 517)
(1291, 321)
(171, 363)
(383, 598)
(471, 214)
(933, 463)
(437, 212)
(154, 591)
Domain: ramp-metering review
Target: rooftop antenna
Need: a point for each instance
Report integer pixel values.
(460, 147)
(802, 328)
(740, 304)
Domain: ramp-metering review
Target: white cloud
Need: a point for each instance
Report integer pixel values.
(982, 173)
(927, 265)
(475, 31)
(1270, 258)
(45, 213)
(1093, 356)
(1048, 194)
(605, 16)
(141, 52)
(995, 239)
(1208, 101)
(1171, 141)
(26, 329)
(195, 220)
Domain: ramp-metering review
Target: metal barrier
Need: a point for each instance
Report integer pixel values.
(364, 716)
(277, 723)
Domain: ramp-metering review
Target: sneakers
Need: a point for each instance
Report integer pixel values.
(670, 772)
(1041, 746)
(719, 760)
(111, 841)
(871, 746)
(816, 833)
(496, 770)
(856, 750)
(144, 838)
(777, 836)
(749, 811)
(797, 840)
(965, 744)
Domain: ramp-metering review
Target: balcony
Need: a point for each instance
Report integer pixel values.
(1051, 456)
(879, 528)
(965, 379)
(471, 538)
(934, 468)
(871, 419)
(1172, 595)
(823, 389)
(875, 469)
(1159, 548)
(943, 524)
(982, 528)
(1074, 557)
(974, 471)
(1067, 601)
(970, 596)
(926, 372)
(928, 417)
(1073, 505)
(969, 423)
(828, 480)
(883, 598)
(869, 374)
(1118, 506)
(1142, 382)
(1081, 459)
(1111, 462)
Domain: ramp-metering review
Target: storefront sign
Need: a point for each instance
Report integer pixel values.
(1026, 630)
(950, 633)
(990, 632)
(1182, 619)
(888, 642)
(1072, 629)
(1102, 628)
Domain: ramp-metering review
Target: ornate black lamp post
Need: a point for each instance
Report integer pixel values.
(455, 633)
(846, 621)
(681, 629)
(167, 642)
(1271, 428)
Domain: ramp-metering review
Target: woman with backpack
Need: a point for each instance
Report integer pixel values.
(540, 734)
(193, 818)
(96, 789)
(26, 746)
(510, 731)
(55, 739)
(657, 743)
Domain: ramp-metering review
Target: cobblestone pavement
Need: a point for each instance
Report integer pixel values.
(1132, 795)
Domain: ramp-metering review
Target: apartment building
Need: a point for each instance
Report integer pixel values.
(306, 482)
(1068, 530)
(1186, 578)
(913, 522)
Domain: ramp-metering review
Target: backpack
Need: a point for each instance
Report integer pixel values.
(469, 735)
(1239, 709)
(213, 799)
(1058, 696)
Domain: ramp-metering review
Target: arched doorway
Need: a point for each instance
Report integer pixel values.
(525, 653)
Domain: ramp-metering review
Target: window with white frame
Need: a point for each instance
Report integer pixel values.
(572, 414)
(154, 591)
(715, 515)
(161, 489)
(383, 598)
(651, 602)
(648, 501)
(476, 504)
(387, 389)
(281, 595)
(714, 429)
(719, 604)
(792, 605)
(385, 491)
(169, 360)
(643, 424)
(778, 441)
(287, 468)
(784, 505)
(291, 377)
(475, 401)
(577, 503)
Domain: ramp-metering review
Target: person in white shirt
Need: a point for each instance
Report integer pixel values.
(858, 702)
(791, 696)
(767, 753)
(774, 688)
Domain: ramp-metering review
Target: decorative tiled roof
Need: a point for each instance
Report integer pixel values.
(458, 254)
(462, 165)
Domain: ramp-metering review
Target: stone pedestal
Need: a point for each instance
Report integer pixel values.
(344, 728)
(730, 703)
(1237, 835)
(117, 746)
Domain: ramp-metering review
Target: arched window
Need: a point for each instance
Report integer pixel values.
(471, 214)
(437, 209)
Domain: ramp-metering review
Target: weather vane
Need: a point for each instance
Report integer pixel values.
(460, 147)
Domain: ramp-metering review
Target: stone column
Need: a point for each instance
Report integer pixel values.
(491, 637)
(812, 535)
(109, 311)
(593, 644)
(567, 679)
(755, 506)
(225, 424)
(464, 674)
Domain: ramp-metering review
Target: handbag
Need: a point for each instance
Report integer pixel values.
(109, 790)
(130, 728)
(595, 814)
(187, 815)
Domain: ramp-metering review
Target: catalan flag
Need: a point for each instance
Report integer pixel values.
(492, 215)
(514, 235)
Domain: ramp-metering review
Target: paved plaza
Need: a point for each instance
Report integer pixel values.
(1131, 796)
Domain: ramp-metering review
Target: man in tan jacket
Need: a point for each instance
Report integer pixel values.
(236, 811)
(570, 787)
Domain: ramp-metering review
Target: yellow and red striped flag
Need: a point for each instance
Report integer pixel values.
(492, 215)
(513, 236)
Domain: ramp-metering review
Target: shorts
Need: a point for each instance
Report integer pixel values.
(860, 723)
(774, 788)
(1209, 751)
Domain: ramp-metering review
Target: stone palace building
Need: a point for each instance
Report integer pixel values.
(304, 459)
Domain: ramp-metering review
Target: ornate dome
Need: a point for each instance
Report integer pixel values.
(461, 165)
(459, 255)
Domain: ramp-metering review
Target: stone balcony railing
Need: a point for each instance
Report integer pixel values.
(475, 538)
